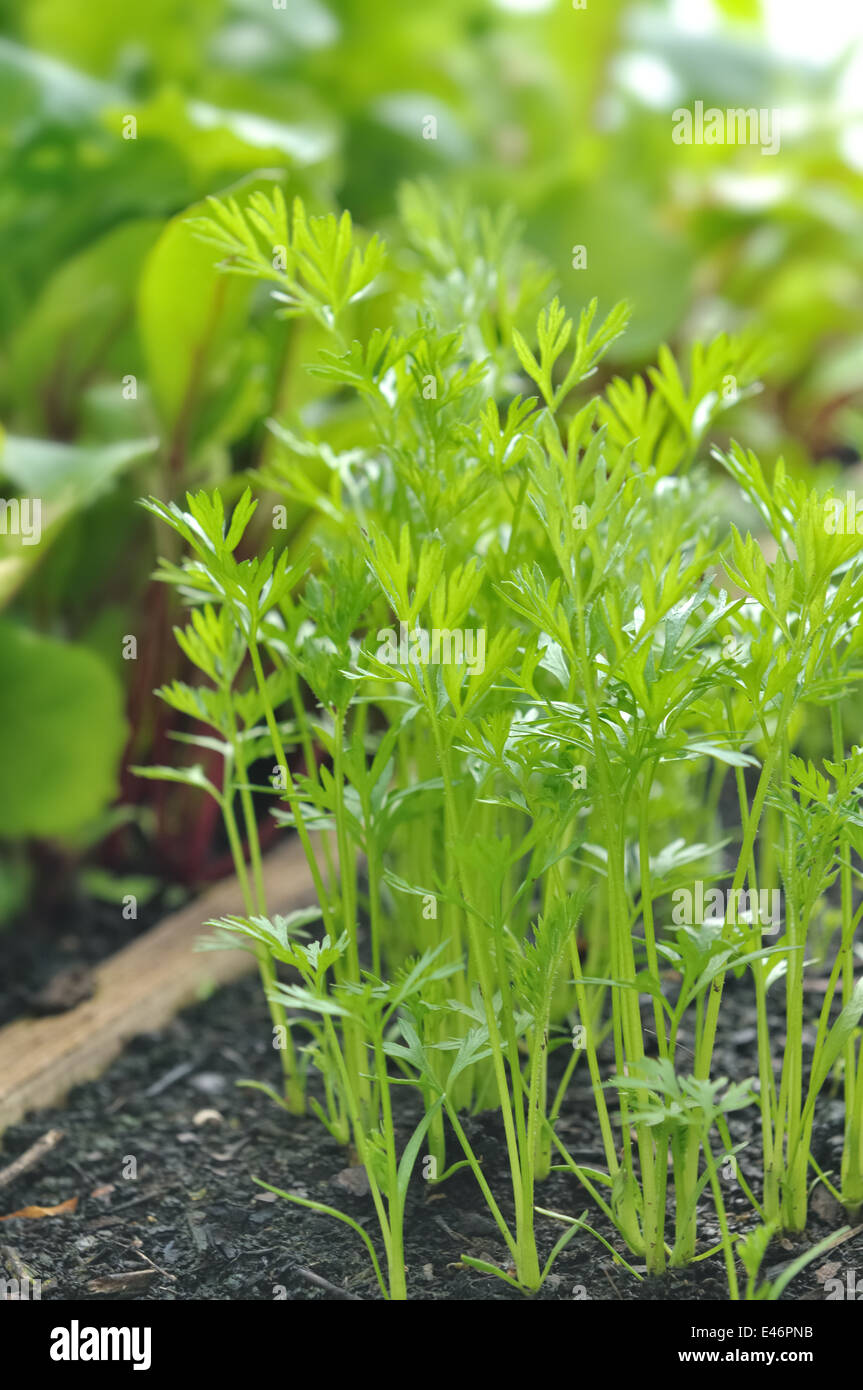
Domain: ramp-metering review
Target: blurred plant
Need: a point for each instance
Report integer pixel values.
(116, 329)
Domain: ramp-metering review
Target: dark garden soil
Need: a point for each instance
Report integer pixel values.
(192, 1225)
(48, 957)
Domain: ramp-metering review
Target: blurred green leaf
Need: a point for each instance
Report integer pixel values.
(81, 322)
(203, 369)
(61, 735)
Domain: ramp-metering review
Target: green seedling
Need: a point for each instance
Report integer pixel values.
(518, 687)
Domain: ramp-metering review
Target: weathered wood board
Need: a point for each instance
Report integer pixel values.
(138, 990)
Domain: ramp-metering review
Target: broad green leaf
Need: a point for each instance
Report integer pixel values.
(62, 732)
(190, 320)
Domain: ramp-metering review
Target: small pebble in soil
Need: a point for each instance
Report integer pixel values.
(211, 1083)
(474, 1223)
(353, 1180)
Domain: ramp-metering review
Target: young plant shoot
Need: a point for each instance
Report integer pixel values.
(567, 753)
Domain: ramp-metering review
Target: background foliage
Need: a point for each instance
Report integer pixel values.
(129, 365)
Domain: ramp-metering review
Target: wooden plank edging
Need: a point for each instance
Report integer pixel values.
(138, 990)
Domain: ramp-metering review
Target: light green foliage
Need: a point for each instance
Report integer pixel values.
(505, 821)
(315, 261)
(61, 734)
